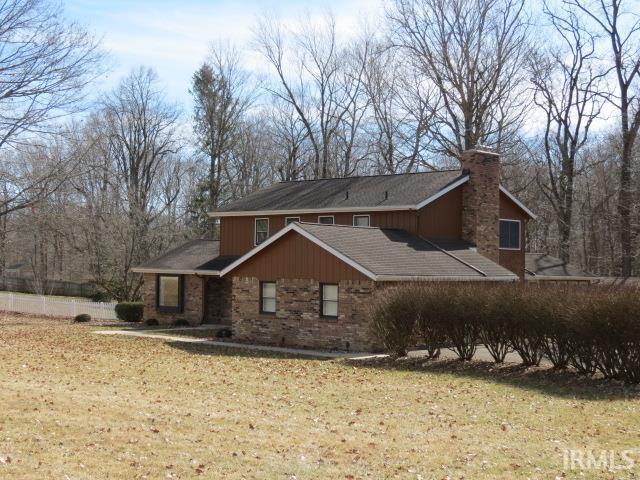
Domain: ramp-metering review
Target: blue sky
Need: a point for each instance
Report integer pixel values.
(173, 36)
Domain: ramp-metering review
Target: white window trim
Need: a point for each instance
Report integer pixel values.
(322, 300)
(255, 230)
(286, 219)
(262, 297)
(354, 220)
(332, 217)
(519, 234)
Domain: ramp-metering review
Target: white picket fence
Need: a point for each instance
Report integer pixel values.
(55, 306)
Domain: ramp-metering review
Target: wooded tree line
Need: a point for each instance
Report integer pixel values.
(554, 87)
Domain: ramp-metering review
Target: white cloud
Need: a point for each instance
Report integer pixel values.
(173, 37)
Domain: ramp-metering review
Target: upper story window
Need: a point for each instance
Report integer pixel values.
(329, 300)
(510, 234)
(361, 220)
(326, 220)
(169, 297)
(262, 230)
(289, 220)
(267, 297)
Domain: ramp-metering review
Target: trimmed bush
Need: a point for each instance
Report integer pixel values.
(101, 297)
(130, 311)
(458, 318)
(82, 318)
(494, 324)
(524, 314)
(394, 320)
(592, 329)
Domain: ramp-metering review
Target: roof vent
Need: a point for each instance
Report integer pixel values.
(346, 195)
(386, 195)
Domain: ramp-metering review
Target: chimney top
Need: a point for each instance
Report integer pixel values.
(482, 149)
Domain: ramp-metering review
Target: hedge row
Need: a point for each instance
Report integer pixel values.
(590, 328)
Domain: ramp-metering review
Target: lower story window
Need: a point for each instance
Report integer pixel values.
(329, 300)
(267, 297)
(169, 293)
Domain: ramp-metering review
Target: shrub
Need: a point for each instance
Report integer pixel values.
(181, 322)
(611, 318)
(430, 318)
(556, 323)
(224, 333)
(394, 320)
(129, 311)
(151, 322)
(523, 311)
(494, 328)
(101, 297)
(82, 318)
(455, 316)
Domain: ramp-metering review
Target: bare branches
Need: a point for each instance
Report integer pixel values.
(45, 64)
(310, 68)
(568, 89)
(473, 54)
(618, 21)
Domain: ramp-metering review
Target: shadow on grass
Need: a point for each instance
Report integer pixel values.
(222, 351)
(564, 384)
(545, 380)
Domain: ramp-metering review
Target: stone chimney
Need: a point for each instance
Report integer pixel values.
(481, 201)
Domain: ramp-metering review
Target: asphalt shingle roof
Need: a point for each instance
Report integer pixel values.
(372, 191)
(543, 265)
(391, 253)
(192, 255)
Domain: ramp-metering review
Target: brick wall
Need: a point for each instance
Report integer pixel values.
(481, 201)
(297, 320)
(192, 312)
(218, 301)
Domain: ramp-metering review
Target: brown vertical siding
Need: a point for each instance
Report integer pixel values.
(513, 259)
(237, 233)
(442, 218)
(293, 256)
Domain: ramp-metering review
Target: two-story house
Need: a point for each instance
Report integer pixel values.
(300, 263)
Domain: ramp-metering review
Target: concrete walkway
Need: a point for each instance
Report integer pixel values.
(481, 353)
(214, 343)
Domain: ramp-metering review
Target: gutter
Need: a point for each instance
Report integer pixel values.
(442, 278)
(215, 273)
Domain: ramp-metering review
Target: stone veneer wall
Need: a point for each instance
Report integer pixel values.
(297, 320)
(192, 312)
(218, 300)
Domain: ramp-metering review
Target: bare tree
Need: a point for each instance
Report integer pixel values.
(473, 52)
(402, 111)
(222, 97)
(622, 30)
(568, 92)
(309, 66)
(128, 184)
(290, 146)
(45, 64)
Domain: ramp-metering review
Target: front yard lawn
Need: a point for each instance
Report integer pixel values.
(79, 405)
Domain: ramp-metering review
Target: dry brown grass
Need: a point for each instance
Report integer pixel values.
(79, 405)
